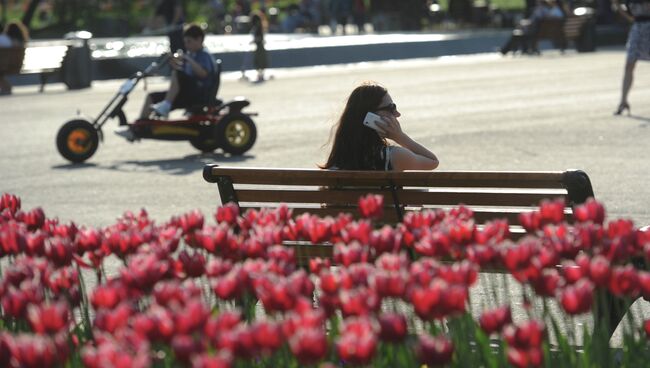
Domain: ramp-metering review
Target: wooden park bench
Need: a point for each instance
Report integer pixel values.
(46, 60)
(562, 31)
(490, 194)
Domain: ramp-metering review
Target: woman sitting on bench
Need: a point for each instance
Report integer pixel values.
(358, 147)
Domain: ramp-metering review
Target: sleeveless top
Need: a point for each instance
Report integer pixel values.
(384, 157)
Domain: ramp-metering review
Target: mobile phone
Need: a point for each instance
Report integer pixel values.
(371, 120)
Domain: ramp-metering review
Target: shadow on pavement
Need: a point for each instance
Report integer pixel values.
(644, 121)
(182, 166)
(75, 166)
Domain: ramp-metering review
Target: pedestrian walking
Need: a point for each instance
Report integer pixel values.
(638, 44)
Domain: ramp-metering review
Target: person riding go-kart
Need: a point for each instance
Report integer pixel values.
(208, 123)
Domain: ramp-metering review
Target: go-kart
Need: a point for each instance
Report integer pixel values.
(207, 126)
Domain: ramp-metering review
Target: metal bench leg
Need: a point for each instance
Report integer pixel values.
(610, 311)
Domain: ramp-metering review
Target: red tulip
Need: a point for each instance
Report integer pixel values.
(393, 327)
(124, 349)
(390, 284)
(191, 317)
(624, 281)
(191, 221)
(552, 211)
(591, 210)
(599, 270)
(358, 341)
(88, 240)
(572, 272)
(222, 359)
(547, 282)
(351, 253)
(224, 321)
(385, 240)
(525, 358)
(392, 261)
(112, 320)
(526, 335)
(371, 206)
(62, 279)
(228, 213)
(9, 202)
(494, 320)
(530, 221)
(12, 239)
(49, 319)
(34, 219)
(434, 350)
(309, 345)
(144, 271)
(185, 347)
(35, 351)
(268, 336)
(316, 265)
(191, 265)
(59, 251)
(577, 298)
(108, 295)
(644, 284)
(359, 302)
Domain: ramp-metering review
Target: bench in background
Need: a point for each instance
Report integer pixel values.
(560, 32)
(45, 60)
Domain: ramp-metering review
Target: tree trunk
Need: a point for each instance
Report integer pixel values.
(29, 14)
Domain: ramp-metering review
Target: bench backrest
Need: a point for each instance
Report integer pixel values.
(11, 60)
(490, 194)
(44, 58)
(556, 29)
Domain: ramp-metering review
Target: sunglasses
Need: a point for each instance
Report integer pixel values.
(392, 108)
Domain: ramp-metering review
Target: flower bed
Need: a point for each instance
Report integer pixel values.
(186, 291)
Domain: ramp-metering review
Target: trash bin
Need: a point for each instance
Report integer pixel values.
(586, 41)
(77, 65)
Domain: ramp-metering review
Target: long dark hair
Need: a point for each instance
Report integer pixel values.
(357, 147)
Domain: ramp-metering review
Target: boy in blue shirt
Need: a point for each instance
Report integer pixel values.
(191, 79)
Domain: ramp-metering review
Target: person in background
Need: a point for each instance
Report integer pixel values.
(15, 34)
(172, 13)
(638, 44)
(358, 147)
(523, 36)
(260, 58)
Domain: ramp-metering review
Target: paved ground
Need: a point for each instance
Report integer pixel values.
(481, 112)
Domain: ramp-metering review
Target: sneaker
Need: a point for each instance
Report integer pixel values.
(162, 108)
(126, 133)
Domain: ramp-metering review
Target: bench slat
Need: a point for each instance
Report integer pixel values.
(406, 196)
(481, 215)
(478, 179)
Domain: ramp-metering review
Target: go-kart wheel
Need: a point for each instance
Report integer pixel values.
(237, 133)
(205, 143)
(77, 140)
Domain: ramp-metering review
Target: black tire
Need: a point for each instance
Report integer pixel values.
(206, 142)
(77, 140)
(237, 133)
